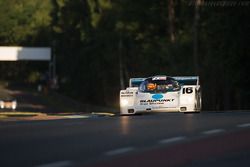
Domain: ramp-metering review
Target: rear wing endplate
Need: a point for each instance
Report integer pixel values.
(188, 80)
(185, 80)
(135, 82)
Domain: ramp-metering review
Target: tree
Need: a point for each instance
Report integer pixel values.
(24, 23)
(171, 20)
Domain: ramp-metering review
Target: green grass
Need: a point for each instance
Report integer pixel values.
(3, 93)
(54, 100)
(13, 113)
(59, 102)
(5, 115)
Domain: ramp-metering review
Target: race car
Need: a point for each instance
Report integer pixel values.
(161, 94)
(8, 103)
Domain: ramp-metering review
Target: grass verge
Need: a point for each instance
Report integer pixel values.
(17, 114)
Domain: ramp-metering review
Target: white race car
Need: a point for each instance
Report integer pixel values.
(161, 93)
(8, 103)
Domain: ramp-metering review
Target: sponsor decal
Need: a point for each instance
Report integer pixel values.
(126, 92)
(126, 95)
(157, 96)
(159, 78)
(154, 101)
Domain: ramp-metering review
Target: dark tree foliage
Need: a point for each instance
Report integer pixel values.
(99, 44)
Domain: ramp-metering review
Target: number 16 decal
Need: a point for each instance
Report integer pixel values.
(188, 90)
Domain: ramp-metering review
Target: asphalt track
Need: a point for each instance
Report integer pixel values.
(162, 139)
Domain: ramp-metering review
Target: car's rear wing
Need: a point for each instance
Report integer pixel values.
(188, 80)
(135, 82)
(185, 80)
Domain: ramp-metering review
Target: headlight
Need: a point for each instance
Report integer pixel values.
(124, 102)
(1, 104)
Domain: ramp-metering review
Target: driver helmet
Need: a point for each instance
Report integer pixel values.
(151, 86)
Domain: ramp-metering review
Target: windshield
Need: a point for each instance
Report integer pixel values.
(159, 86)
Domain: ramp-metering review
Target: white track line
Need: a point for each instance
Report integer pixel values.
(119, 151)
(57, 164)
(213, 131)
(246, 125)
(172, 140)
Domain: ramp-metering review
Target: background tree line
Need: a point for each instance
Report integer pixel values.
(100, 44)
